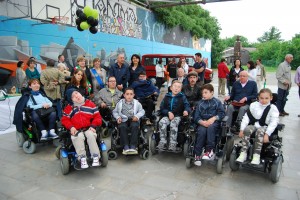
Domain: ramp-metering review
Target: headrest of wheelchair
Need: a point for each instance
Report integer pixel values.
(274, 99)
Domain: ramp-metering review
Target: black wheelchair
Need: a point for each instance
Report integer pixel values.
(224, 144)
(67, 154)
(143, 147)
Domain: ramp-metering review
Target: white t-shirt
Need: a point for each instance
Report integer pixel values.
(252, 74)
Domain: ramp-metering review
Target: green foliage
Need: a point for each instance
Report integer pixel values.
(196, 20)
(272, 34)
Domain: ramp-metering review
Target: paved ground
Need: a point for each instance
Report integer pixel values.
(163, 176)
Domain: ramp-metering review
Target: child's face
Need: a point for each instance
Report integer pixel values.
(128, 95)
(142, 77)
(176, 88)
(78, 76)
(206, 94)
(35, 86)
(77, 97)
(265, 98)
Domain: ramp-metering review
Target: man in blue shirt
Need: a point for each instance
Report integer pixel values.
(121, 72)
(199, 67)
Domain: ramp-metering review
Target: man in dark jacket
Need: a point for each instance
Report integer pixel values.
(242, 94)
(121, 72)
(192, 91)
(144, 91)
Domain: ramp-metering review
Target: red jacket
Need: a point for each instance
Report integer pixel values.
(84, 116)
(222, 70)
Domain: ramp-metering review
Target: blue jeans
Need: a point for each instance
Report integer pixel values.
(40, 124)
(206, 135)
(281, 99)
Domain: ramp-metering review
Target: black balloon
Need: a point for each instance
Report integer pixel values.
(90, 20)
(80, 29)
(78, 21)
(95, 23)
(82, 17)
(93, 29)
(78, 12)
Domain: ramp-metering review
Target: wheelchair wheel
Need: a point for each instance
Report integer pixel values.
(112, 155)
(220, 165)
(276, 170)
(188, 162)
(229, 146)
(29, 147)
(64, 165)
(20, 138)
(104, 158)
(57, 152)
(145, 154)
(105, 133)
(185, 149)
(152, 145)
(232, 162)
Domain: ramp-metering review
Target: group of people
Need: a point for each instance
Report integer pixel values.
(91, 90)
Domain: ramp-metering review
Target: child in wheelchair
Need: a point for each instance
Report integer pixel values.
(208, 115)
(262, 119)
(128, 113)
(172, 108)
(81, 117)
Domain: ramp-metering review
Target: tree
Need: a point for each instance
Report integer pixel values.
(272, 34)
(229, 42)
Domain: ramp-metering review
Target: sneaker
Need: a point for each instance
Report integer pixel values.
(96, 162)
(172, 147)
(83, 162)
(242, 158)
(44, 135)
(52, 134)
(255, 159)
(126, 149)
(281, 114)
(209, 155)
(197, 161)
(132, 149)
(161, 146)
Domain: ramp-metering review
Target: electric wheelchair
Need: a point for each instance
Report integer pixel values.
(68, 156)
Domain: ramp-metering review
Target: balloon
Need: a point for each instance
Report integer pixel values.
(83, 17)
(80, 29)
(88, 11)
(78, 21)
(78, 12)
(95, 23)
(84, 25)
(90, 20)
(93, 30)
(95, 13)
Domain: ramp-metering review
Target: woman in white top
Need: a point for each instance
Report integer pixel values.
(252, 71)
(160, 73)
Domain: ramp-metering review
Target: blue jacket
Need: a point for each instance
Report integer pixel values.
(122, 74)
(143, 88)
(175, 104)
(209, 108)
(249, 90)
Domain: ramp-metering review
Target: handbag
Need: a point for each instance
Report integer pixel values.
(42, 112)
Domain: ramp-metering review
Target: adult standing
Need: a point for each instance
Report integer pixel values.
(160, 73)
(135, 68)
(121, 72)
(62, 68)
(297, 80)
(20, 76)
(283, 75)
(261, 74)
(61, 59)
(199, 67)
(98, 75)
(36, 65)
(172, 69)
(252, 71)
(223, 71)
(31, 71)
(82, 65)
(234, 73)
(185, 66)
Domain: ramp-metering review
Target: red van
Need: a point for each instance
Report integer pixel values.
(149, 61)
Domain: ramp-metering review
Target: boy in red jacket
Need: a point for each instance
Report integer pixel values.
(81, 117)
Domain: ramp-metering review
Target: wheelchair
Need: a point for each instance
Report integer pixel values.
(107, 122)
(143, 147)
(271, 157)
(68, 156)
(224, 144)
(184, 136)
(31, 135)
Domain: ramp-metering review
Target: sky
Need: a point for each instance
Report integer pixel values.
(251, 18)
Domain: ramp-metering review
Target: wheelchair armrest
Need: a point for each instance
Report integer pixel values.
(225, 119)
(280, 127)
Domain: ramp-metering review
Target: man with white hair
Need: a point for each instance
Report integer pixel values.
(121, 71)
(283, 75)
(242, 94)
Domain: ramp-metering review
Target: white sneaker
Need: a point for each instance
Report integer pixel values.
(96, 162)
(255, 159)
(242, 158)
(209, 155)
(53, 135)
(84, 164)
(44, 135)
(197, 161)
